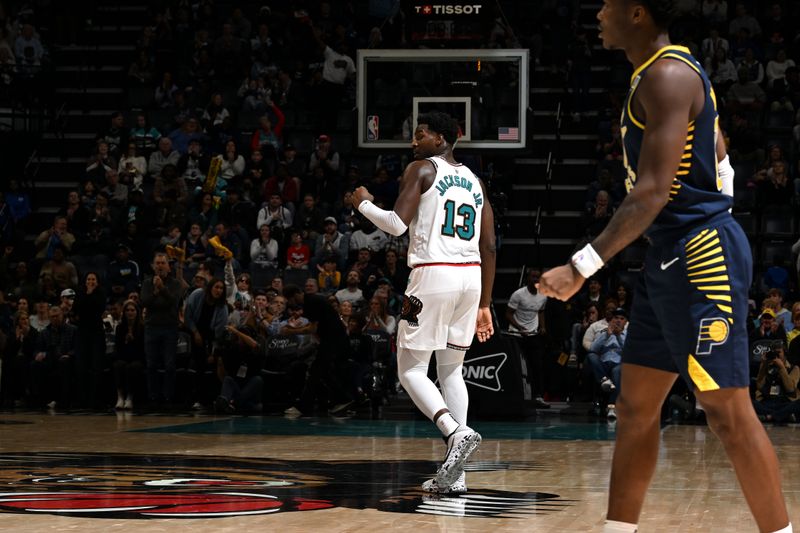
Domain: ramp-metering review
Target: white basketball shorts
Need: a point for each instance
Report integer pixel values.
(440, 307)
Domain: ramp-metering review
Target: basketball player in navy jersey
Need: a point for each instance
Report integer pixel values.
(452, 255)
(690, 310)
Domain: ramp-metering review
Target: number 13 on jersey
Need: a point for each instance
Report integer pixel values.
(464, 231)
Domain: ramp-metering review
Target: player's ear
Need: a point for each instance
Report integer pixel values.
(637, 13)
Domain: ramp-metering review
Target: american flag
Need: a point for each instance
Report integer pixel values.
(507, 134)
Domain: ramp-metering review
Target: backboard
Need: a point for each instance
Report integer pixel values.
(487, 90)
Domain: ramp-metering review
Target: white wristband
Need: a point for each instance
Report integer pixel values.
(388, 221)
(726, 173)
(586, 261)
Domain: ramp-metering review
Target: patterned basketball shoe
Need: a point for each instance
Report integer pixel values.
(460, 446)
(458, 487)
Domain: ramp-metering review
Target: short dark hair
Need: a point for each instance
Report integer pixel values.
(441, 123)
(662, 11)
(290, 291)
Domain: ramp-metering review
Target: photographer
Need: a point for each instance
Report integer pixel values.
(776, 385)
(243, 351)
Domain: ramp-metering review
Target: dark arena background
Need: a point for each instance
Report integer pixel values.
(222, 140)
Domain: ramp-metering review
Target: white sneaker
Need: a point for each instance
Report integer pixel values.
(51, 405)
(120, 403)
(612, 413)
(446, 505)
(197, 406)
(607, 385)
(458, 487)
(128, 403)
(460, 446)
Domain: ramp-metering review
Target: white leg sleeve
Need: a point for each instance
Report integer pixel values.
(412, 369)
(449, 365)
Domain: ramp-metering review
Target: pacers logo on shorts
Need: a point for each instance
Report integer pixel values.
(411, 308)
(713, 332)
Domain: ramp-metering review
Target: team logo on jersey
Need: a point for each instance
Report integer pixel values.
(713, 332)
(412, 307)
(132, 486)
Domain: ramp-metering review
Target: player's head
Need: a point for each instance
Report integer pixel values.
(622, 20)
(436, 133)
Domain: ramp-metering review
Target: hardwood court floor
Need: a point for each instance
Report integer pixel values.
(109, 474)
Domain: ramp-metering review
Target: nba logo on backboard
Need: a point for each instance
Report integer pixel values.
(372, 128)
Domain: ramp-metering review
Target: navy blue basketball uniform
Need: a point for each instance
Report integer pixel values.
(690, 308)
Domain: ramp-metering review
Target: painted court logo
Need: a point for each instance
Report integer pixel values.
(713, 332)
(131, 486)
(412, 307)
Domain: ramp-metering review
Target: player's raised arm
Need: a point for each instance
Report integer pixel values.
(667, 97)
(396, 221)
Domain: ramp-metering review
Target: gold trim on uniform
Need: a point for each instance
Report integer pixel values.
(655, 56)
(711, 279)
(721, 268)
(709, 253)
(702, 379)
(705, 246)
(704, 249)
(697, 239)
(715, 288)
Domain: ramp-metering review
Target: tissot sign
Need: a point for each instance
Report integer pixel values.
(443, 9)
(447, 21)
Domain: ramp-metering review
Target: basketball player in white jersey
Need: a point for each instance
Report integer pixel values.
(452, 256)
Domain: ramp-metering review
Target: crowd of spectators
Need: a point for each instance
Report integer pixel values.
(203, 254)
(171, 274)
(211, 254)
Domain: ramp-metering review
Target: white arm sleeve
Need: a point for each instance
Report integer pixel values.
(726, 176)
(388, 221)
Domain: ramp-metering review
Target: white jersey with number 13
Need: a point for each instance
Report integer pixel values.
(447, 226)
